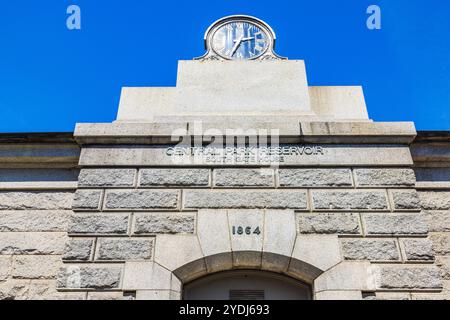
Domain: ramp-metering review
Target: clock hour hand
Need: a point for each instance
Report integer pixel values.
(247, 39)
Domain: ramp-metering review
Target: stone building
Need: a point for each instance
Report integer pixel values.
(242, 182)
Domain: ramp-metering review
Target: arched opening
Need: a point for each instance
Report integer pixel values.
(246, 285)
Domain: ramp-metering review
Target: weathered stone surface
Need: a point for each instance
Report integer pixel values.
(438, 221)
(157, 295)
(280, 232)
(329, 223)
(370, 249)
(338, 295)
(245, 199)
(87, 199)
(32, 243)
(393, 296)
(321, 251)
(350, 200)
(36, 267)
(385, 177)
(124, 249)
(408, 277)
(156, 276)
(78, 250)
(315, 178)
(347, 275)
(244, 177)
(181, 254)
(142, 199)
(246, 242)
(444, 264)
(213, 224)
(334, 155)
(174, 177)
(17, 289)
(89, 277)
(418, 249)
(160, 223)
(34, 221)
(14, 289)
(430, 296)
(406, 200)
(93, 223)
(109, 296)
(395, 224)
(35, 200)
(435, 200)
(441, 243)
(5, 267)
(107, 178)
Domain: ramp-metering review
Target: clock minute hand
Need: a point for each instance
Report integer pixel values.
(236, 45)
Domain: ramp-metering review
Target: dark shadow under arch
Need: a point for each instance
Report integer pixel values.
(246, 285)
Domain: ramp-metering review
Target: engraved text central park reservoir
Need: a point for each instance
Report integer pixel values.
(244, 154)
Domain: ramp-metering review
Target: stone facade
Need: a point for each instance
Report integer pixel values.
(355, 209)
(95, 237)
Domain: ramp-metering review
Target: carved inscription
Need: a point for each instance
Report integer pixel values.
(244, 155)
(241, 231)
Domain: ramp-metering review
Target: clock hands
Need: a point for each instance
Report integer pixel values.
(248, 39)
(238, 43)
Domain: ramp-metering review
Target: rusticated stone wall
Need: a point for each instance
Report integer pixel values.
(367, 219)
(139, 232)
(436, 206)
(35, 211)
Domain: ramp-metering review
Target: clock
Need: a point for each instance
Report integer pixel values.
(240, 38)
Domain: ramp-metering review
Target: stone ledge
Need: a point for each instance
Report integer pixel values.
(358, 132)
(296, 132)
(39, 155)
(38, 185)
(431, 154)
(128, 133)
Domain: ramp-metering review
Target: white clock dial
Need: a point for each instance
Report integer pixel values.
(240, 40)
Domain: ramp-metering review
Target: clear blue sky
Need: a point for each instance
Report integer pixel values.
(51, 78)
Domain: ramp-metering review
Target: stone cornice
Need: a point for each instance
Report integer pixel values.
(288, 132)
(431, 149)
(38, 150)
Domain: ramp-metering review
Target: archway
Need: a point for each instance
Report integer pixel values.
(246, 285)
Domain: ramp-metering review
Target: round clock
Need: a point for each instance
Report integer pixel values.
(240, 38)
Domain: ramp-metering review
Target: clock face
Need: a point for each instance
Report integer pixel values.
(240, 40)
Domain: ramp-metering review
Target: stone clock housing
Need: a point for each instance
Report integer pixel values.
(263, 189)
